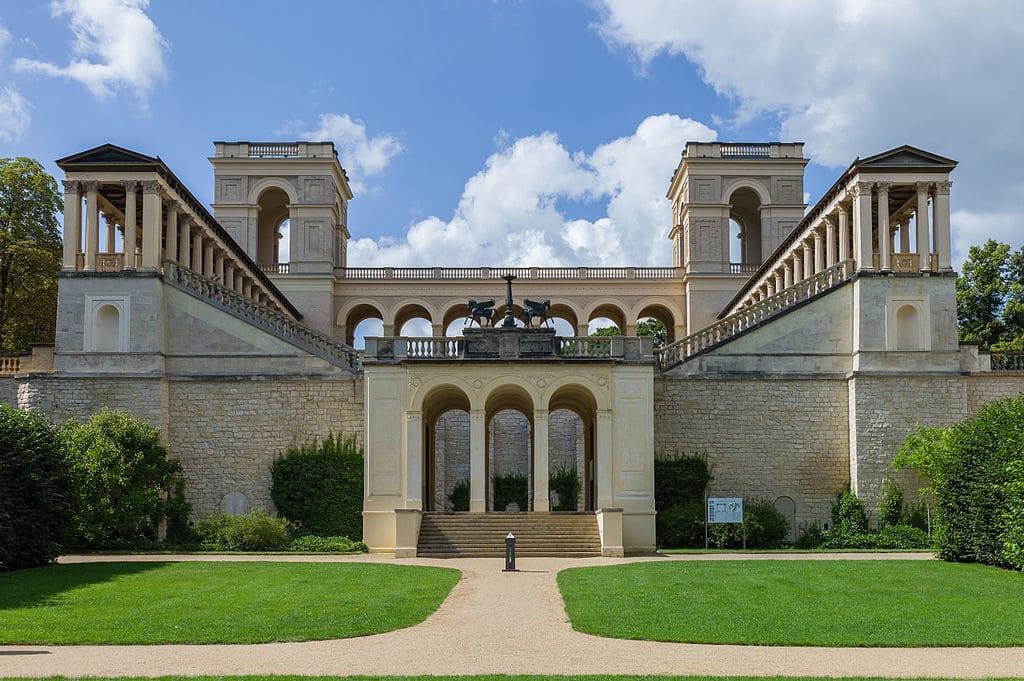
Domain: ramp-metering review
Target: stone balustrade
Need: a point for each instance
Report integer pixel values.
(489, 273)
(10, 364)
(261, 316)
(1007, 361)
(752, 315)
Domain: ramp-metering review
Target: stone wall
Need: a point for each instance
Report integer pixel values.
(984, 388)
(227, 433)
(9, 390)
(764, 438)
(61, 398)
(451, 455)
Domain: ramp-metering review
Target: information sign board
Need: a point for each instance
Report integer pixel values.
(725, 510)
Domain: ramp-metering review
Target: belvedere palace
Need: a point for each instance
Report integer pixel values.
(797, 367)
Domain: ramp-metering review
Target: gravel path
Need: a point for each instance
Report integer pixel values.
(504, 623)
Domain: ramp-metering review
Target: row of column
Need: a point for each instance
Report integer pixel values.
(187, 242)
(478, 458)
(837, 238)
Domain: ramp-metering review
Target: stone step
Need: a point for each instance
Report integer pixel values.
(483, 534)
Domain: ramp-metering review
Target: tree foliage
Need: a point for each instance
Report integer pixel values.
(990, 298)
(30, 254)
(644, 327)
(35, 491)
(126, 485)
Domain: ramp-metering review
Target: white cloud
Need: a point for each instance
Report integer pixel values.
(14, 115)
(509, 212)
(362, 156)
(853, 79)
(116, 46)
(5, 37)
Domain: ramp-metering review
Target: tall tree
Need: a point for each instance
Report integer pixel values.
(30, 253)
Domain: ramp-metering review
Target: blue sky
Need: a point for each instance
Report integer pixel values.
(541, 131)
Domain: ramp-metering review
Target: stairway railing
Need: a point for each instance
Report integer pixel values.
(727, 328)
(268, 320)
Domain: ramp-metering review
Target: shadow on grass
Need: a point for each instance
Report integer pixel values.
(40, 586)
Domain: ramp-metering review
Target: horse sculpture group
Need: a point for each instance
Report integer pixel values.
(484, 314)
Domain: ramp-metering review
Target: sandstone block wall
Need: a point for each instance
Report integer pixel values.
(984, 388)
(9, 390)
(764, 438)
(61, 398)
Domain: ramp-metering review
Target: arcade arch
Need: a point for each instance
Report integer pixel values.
(579, 401)
(446, 449)
(510, 449)
(273, 216)
(745, 201)
(358, 317)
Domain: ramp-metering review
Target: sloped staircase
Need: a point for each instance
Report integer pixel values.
(752, 316)
(482, 535)
(260, 316)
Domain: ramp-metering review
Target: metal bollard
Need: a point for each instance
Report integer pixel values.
(510, 553)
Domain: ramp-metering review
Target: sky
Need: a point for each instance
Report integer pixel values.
(525, 132)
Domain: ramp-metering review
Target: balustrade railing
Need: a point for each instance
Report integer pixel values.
(273, 149)
(274, 267)
(746, 150)
(585, 346)
(752, 315)
(1007, 361)
(433, 348)
(539, 273)
(269, 320)
(10, 364)
(402, 348)
(742, 268)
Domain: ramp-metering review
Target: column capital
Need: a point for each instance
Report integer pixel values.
(477, 414)
(841, 212)
(604, 414)
(413, 416)
(540, 414)
(91, 185)
(883, 187)
(943, 187)
(130, 186)
(71, 186)
(151, 187)
(861, 189)
(829, 221)
(923, 187)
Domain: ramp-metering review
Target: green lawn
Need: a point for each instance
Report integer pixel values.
(802, 603)
(212, 602)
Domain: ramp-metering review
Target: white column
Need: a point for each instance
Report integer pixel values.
(884, 235)
(414, 459)
(798, 265)
(787, 276)
(905, 234)
(131, 224)
(229, 275)
(72, 224)
(172, 231)
(92, 225)
(844, 235)
(477, 461)
(819, 251)
(111, 231)
(942, 226)
(152, 207)
(863, 252)
(541, 501)
(208, 257)
(830, 242)
(924, 251)
(770, 288)
(780, 281)
(197, 250)
(218, 266)
(605, 491)
(186, 242)
(808, 260)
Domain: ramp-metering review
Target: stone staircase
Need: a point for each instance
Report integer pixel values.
(482, 535)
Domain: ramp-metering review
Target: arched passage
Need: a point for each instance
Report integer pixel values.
(363, 319)
(509, 449)
(271, 246)
(661, 314)
(745, 211)
(446, 455)
(610, 311)
(410, 312)
(578, 401)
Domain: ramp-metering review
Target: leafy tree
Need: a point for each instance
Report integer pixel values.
(126, 484)
(30, 253)
(990, 298)
(607, 331)
(645, 327)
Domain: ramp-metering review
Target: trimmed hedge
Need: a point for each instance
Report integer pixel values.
(254, 531)
(679, 484)
(312, 544)
(125, 483)
(511, 487)
(976, 469)
(35, 491)
(320, 487)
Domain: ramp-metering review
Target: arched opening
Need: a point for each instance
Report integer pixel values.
(735, 241)
(413, 320)
(271, 247)
(787, 507)
(907, 328)
(656, 321)
(509, 452)
(745, 213)
(362, 321)
(571, 441)
(604, 316)
(567, 444)
(446, 458)
(564, 320)
(108, 329)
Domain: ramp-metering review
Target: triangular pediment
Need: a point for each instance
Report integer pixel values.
(106, 155)
(906, 156)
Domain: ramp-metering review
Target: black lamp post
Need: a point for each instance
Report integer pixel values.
(510, 320)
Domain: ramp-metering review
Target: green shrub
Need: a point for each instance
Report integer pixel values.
(918, 517)
(812, 538)
(976, 470)
(319, 486)
(566, 484)
(848, 515)
(766, 527)
(459, 496)
(313, 544)
(890, 506)
(35, 491)
(254, 531)
(125, 484)
(889, 537)
(681, 526)
(679, 479)
(511, 487)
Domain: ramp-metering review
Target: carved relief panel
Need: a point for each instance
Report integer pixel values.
(232, 189)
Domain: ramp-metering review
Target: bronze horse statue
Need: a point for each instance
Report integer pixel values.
(532, 309)
(481, 312)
